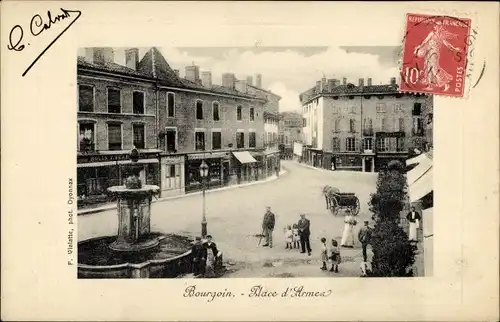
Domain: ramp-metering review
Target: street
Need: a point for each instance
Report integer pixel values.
(234, 219)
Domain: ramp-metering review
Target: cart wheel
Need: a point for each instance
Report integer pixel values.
(355, 208)
(334, 207)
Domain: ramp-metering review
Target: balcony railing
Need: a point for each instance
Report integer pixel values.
(368, 132)
(86, 147)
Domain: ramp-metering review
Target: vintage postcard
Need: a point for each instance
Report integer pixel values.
(337, 157)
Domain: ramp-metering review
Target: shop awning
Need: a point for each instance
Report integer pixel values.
(244, 157)
(114, 163)
(416, 159)
(422, 186)
(414, 174)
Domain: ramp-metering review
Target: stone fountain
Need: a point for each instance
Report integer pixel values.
(135, 252)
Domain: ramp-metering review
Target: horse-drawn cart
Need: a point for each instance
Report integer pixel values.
(336, 200)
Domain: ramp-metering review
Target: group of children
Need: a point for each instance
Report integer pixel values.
(334, 255)
(292, 237)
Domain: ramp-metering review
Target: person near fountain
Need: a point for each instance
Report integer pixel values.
(268, 227)
(199, 253)
(212, 254)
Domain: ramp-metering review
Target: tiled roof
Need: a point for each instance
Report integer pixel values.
(110, 67)
(264, 90)
(154, 65)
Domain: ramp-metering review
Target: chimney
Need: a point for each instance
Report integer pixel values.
(361, 82)
(206, 79)
(331, 85)
(132, 58)
(103, 55)
(323, 84)
(318, 87)
(393, 80)
(176, 72)
(369, 82)
(192, 73)
(258, 80)
(89, 55)
(344, 81)
(250, 80)
(241, 86)
(228, 80)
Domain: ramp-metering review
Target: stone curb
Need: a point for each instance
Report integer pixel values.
(335, 171)
(283, 172)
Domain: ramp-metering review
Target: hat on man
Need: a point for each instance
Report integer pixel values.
(198, 238)
(366, 221)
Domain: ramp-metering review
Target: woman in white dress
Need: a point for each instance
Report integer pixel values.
(348, 234)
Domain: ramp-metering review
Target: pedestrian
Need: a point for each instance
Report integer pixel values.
(304, 232)
(335, 256)
(199, 256)
(348, 234)
(212, 253)
(364, 236)
(413, 218)
(324, 253)
(288, 237)
(296, 236)
(268, 227)
(277, 171)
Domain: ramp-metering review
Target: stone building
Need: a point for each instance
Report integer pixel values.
(290, 131)
(361, 127)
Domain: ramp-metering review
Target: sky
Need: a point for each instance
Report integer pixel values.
(286, 71)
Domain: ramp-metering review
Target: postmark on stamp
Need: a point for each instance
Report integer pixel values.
(435, 55)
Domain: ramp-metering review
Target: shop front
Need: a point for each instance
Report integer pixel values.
(350, 162)
(218, 171)
(245, 166)
(97, 172)
(260, 165)
(172, 175)
(272, 162)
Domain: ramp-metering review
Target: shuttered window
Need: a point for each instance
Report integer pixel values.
(114, 100)
(114, 136)
(139, 136)
(138, 102)
(86, 98)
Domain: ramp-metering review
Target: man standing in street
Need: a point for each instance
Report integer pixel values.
(304, 233)
(364, 236)
(268, 227)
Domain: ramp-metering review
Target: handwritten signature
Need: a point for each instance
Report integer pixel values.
(37, 27)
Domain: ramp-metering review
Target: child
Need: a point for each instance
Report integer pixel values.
(324, 253)
(335, 256)
(296, 236)
(288, 237)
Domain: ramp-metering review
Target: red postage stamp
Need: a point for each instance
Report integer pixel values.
(435, 52)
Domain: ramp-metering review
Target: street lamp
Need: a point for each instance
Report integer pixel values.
(204, 175)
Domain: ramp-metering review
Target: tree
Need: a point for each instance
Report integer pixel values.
(393, 253)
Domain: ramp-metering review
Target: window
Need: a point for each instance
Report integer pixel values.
(114, 136)
(86, 137)
(138, 102)
(251, 140)
(417, 109)
(170, 140)
(199, 110)
(170, 105)
(86, 98)
(383, 125)
(114, 100)
(352, 109)
(337, 125)
(336, 144)
(398, 108)
(238, 113)
(199, 138)
(138, 136)
(215, 111)
(380, 107)
(173, 170)
(352, 126)
(350, 144)
(418, 126)
(382, 145)
(216, 140)
(252, 114)
(368, 144)
(240, 140)
(401, 124)
(400, 144)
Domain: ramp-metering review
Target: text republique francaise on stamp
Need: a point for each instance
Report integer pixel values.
(435, 55)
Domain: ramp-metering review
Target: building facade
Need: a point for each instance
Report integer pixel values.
(361, 127)
(175, 122)
(291, 131)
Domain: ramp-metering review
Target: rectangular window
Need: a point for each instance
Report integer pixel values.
(199, 141)
(251, 140)
(238, 113)
(114, 136)
(400, 144)
(350, 144)
(380, 107)
(138, 102)
(382, 145)
(383, 124)
(199, 110)
(170, 105)
(86, 137)
(368, 144)
(401, 124)
(172, 170)
(240, 140)
(138, 136)
(215, 110)
(336, 144)
(352, 126)
(216, 140)
(252, 114)
(114, 100)
(417, 109)
(418, 126)
(86, 98)
(170, 140)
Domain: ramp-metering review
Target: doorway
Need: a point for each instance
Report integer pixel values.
(368, 165)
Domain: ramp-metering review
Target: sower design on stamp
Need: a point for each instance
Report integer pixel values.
(435, 55)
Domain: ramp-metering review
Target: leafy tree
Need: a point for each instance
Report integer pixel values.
(393, 253)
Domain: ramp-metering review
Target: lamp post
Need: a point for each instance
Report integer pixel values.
(204, 175)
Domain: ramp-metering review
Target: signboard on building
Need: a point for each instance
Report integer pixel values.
(91, 158)
(297, 148)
